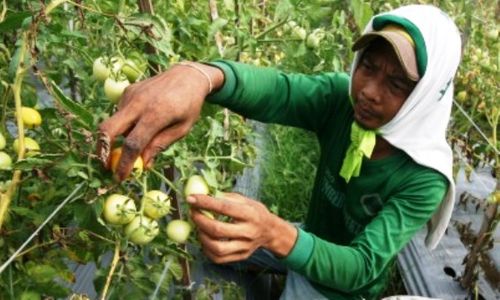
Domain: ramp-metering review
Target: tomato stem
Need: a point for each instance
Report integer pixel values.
(6, 198)
(114, 263)
(168, 182)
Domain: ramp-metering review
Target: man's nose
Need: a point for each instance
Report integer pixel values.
(372, 90)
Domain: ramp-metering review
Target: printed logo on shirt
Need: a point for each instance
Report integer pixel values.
(371, 203)
(330, 190)
(352, 225)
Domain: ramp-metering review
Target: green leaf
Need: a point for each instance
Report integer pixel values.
(42, 273)
(14, 21)
(82, 115)
(362, 13)
(30, 163)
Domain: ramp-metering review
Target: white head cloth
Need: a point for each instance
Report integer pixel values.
(419, 128)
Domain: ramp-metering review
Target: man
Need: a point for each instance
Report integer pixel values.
(385, 166)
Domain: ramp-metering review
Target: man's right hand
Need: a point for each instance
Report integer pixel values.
(156, 112)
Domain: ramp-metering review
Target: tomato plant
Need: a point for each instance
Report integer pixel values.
(70, 61)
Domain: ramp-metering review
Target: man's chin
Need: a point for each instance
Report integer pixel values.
(365, 124)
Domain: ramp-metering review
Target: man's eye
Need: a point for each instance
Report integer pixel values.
(367, 64)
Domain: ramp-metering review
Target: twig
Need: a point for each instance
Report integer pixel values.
(114, 263)
(58, 208)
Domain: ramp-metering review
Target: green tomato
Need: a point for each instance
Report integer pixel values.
(5, 161)
(3, 142)
(30, 295)
(119, 209)
(315, 38)
(299, 32)
(133, 69)
(114, 89)
(492, 34)
(178, 231)
(196, 184)
(99, 69)
(103, 67)
(461, 96)
(31, 147)
(142, 230)
(156, 204)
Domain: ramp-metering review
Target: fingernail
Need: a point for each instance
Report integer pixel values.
(191, 199)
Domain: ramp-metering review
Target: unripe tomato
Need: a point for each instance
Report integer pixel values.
(31, 147)
(30, 295)
(156, 204)
(115, 158)
(133, 70)
(2, 141)
(462, 96)
(119, 209)
(315, 38)
(101, 70)
(31, 117)
(492, 34)
(4, 185)
(299, 33)
(142, 230)
(5, 161)
(178, 231)
(113, 89)
(196, 185)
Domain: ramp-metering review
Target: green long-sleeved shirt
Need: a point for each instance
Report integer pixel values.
(352, 231)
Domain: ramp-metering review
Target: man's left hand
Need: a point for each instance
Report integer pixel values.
(251, 226)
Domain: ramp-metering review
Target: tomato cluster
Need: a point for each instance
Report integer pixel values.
(142, 226)
(31, 118)
(117, 73)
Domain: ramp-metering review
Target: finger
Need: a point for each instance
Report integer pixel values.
(221, 248)
(161, 141)
(229, 205)
(235, 257)
(218, 229)
(136, 141)
(119, 123)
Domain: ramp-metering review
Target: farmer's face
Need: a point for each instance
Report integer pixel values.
(380, 86)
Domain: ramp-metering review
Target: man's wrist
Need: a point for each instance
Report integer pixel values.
(283, 237)
(214, 76)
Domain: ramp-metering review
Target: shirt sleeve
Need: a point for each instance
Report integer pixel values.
(271, 96)
(355, 266)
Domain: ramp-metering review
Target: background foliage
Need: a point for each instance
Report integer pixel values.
(46, 54)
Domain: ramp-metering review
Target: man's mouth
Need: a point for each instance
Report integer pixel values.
(364, 112)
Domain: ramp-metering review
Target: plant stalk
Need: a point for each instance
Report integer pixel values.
(114, 263)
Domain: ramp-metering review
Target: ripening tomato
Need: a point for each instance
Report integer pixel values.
(3, 142)
(156, 204)
(142, 230)
(31, 147)
(115, 158)
(119, 209)
(113, 89)
(178, 231)
(5, 161)
(31, 117)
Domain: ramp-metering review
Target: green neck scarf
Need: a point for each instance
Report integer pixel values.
(362, 144)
